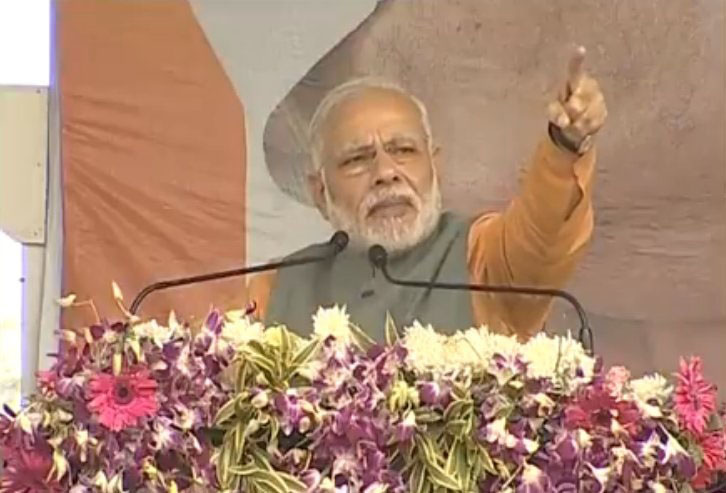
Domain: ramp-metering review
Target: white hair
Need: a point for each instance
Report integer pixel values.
(346, 90)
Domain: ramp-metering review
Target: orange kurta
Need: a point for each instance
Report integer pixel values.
(536, 241)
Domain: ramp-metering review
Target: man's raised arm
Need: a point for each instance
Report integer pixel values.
(541, 236)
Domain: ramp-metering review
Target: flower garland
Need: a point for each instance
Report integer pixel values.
(108, 421)
(471, 412)
(236, 406)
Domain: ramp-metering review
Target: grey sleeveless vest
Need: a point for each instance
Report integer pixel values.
(349, 279)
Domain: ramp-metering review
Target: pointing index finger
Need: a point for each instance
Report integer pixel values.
(576, 70)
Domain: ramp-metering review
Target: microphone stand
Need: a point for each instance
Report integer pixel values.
(337, 244)
(379, 259)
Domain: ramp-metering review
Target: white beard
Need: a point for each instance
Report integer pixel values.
(394, 234)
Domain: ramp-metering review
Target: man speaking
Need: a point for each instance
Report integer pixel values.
(376, 176)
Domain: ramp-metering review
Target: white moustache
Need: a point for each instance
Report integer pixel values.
(389, 196)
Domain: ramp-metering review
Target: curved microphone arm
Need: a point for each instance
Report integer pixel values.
(379, 258)
(337, 244)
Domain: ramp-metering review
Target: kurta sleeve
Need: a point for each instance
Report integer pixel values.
(536, 241)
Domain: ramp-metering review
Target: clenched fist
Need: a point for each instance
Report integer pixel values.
(579, 111)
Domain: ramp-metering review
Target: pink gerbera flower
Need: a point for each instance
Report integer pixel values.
(119, 401)
(695, 398)
(714, 458)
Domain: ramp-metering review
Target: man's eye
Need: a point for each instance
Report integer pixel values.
(353, 159)
(404, 150)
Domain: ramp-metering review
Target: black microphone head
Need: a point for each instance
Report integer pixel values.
(339, 241)
(378, 256)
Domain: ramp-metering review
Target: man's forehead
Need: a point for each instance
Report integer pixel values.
(384, 135)
(361, 118)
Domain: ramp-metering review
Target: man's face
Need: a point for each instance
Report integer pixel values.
(377, 179)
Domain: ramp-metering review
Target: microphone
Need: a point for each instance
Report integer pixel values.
(378, 256)
(335, 245)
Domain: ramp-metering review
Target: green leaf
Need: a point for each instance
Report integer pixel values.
(361, 338)
(265, 486)
(241, 380)
(463, 471)
(440, 477)
(392, 336)
(417, 480)
(427, 417)
(305, 353)
(458, 427)
(244, 470)
(216, 435)
(258, 348)
(264, 366)
(475, 473)
(269, 480)
(239, 436)
(261, 361)
(135, 346)
(425, 449)
(226, 411)
(457, 409)
(293, 484)
(224, 463)
(460, 391)
(451, 467)
(285, 347)
(486, 461)
(261, 458)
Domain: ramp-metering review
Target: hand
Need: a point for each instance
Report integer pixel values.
(579, 111)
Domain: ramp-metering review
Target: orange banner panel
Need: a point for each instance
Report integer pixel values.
(153, 156)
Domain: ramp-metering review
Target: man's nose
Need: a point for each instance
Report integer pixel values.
(386, 169)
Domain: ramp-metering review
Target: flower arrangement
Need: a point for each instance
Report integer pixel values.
(236, 406)
(471, 412)
(122, 409)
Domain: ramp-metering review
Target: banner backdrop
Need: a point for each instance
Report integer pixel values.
(183, 142)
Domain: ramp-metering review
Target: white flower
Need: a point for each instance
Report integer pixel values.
(110, 336)
(376, 488)
(240, 330)
(311, 370)
(650, 388)
(158, 334)
(492, 343)
(653, 386)
(583, 438)
(425, 348)
(496, 431)
(186, 418)
(532, 475)
(549, 357)
(60, 464)
(472, 349)
(333, 322)
(476, 347)
(25, 423)
(602, 474)
(67, 301)
(657, 487)
(530, 446)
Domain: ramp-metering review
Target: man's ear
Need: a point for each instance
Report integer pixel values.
(316, 185)
(435, 152)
